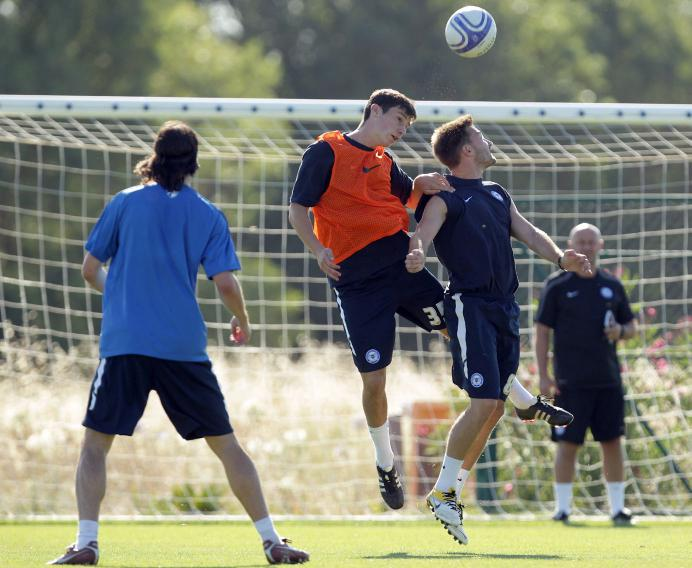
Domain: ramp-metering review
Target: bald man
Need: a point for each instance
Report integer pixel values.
(587, 315)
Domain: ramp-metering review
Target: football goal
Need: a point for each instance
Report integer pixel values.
(293, 394)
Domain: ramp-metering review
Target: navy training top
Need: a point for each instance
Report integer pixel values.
(474, 242)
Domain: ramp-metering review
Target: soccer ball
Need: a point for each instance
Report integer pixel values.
(470, 31)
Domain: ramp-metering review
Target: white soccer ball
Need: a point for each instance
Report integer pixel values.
(470, 31)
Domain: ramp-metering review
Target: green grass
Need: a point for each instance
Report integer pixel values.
(341, 544)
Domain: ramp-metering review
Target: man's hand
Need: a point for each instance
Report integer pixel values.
(433, 183)
(548, 386)
(613, 331)
(415, 260)
(572, 261)
(240, 331)
(325, 258)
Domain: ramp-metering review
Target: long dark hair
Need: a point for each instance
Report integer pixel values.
(174, 157)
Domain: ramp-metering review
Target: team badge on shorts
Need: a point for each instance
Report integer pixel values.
(606, 293)
(476, 380)
(559, 431)
(372, 356)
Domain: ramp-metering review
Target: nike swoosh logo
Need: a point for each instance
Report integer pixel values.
(469, 199)
(368, 170)
(572, 294)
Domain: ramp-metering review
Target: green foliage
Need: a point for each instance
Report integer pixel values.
(203, 65)
(139, 47)
(545, 50)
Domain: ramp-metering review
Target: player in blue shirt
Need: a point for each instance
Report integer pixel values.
(472, 229)
(153, 337)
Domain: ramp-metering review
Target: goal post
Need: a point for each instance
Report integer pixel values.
(293, 394)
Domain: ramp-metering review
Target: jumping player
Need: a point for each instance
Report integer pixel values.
(472, 229)
(358, 196)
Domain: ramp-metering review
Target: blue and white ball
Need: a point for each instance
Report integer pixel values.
(470, 31)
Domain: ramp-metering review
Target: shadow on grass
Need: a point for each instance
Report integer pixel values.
(222, 565)
(459, 555)
(587, 525)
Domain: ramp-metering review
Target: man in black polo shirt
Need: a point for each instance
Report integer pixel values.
(588, 314)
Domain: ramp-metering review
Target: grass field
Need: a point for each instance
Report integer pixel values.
(342, 544)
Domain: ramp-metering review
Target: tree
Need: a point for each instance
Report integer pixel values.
(546, 50)
(139, 47)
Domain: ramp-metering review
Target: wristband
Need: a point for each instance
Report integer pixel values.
(559, 262)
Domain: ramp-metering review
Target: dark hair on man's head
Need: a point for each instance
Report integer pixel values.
(389, 98)
(174, 157)
(448, 139)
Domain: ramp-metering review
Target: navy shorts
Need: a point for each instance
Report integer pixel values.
(188, 390)
(368, 306)
(484, 340)
(601, 410)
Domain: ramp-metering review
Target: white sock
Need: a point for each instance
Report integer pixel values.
(563, 498)
(266, 530)
(520, 397)
(448, 474)
(616, 496)
(461, 480)
(88, 531)
(383, 447)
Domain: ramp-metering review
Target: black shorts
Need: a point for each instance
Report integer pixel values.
(188, 390)
(368, 306)
(601, 410)
(484, 340)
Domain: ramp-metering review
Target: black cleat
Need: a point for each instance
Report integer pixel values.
(561, 516)
(543, 410)
(623, 518)
(390, 487)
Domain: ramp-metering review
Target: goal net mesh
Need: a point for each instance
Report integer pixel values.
(294, 394)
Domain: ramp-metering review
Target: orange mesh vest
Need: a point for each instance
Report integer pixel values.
(358, 207)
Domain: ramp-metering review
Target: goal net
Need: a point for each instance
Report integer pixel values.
(293, 394)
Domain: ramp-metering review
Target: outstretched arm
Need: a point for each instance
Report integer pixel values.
(232, 296)
(540, 243)
(300, 221)
(434, 215)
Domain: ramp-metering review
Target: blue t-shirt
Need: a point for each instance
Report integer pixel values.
(156, 241)
(474, 243)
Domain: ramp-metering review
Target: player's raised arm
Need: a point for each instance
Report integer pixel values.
(433, 216)
(300, 221)
(540, 243)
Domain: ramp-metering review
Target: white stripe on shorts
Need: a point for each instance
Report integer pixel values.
(343, 320)
(97, 383)
(461, 330)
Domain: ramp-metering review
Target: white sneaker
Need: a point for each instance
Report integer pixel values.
(457, 533)
(444, 506)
